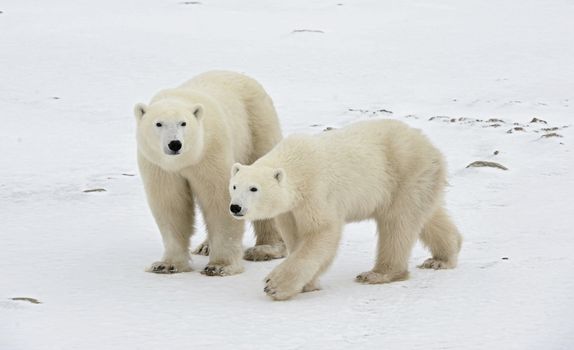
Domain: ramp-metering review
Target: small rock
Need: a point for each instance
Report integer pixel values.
(329, 128)
(494, 120)
(505, 258)
(30, 300)
(496, 152)
(517, 128)
(483, 163)
(95, 190)
(126, 174)
(552, 134)
(536, 120)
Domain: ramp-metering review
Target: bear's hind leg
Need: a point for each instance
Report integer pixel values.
(202, 249)
(441, 236)
(265, 133)
(269, 244)
(397, 236)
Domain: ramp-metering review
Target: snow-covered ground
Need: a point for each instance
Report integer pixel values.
(70, 72)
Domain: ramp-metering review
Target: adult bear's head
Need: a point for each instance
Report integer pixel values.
(170, 133)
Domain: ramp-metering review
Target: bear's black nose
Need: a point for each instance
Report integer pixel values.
(235, 208)
(174, 145)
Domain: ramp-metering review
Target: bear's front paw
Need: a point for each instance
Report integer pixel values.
(282, 286)
(202, 249)
(221, 270)
(265, 252)
(168, 267)
(372, 277)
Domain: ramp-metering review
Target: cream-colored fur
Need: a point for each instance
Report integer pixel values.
(381, 170)
(218, 118)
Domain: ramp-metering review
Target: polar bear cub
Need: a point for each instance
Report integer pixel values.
(313, 185)
(188, 138)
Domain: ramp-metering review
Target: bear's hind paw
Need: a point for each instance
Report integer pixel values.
(221, 270)
(436, 264)
(372, 277)
(311, 287)
(164, 267)
(202, 249)
(265, 252)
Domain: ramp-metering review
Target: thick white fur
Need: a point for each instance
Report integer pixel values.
(228, 118)
(381, 170)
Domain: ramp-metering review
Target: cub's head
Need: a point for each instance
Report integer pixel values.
(170, 133)
(258, 192)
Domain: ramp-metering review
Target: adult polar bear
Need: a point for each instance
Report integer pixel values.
(188, 138)
(380, 169)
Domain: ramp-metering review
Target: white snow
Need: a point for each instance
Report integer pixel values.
(70, 72)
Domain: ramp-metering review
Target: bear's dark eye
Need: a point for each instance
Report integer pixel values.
(253, 189)
(234, 187)
(183, 124)
(158, 125)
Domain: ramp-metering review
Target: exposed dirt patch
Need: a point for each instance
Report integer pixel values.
(535, 125)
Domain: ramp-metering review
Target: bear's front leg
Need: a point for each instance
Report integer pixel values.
(225, 236)
(300, 271)
(171, 202)
(287, 280)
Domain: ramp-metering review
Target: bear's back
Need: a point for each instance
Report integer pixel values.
(222, 84)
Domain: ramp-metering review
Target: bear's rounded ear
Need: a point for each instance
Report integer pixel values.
(279, 175)
(198, 111)
(235, 168)
(139, 110)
